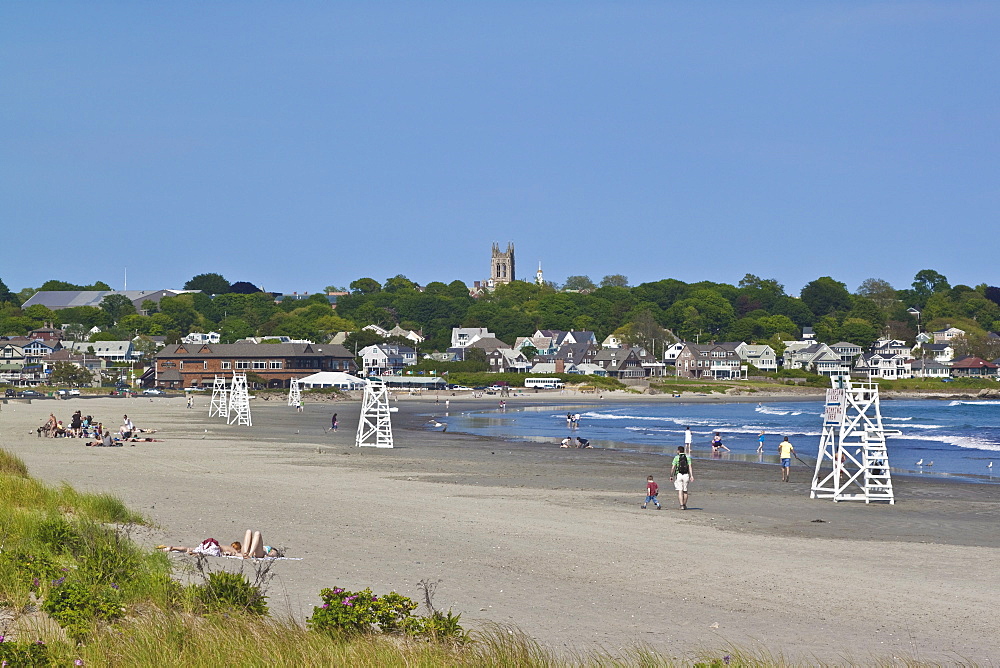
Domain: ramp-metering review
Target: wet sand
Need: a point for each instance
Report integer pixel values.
(553, 540)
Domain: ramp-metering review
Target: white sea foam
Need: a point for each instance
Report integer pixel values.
(924, 426)
(969, 442)
(896, 419)
(767, 410)
(974, 403)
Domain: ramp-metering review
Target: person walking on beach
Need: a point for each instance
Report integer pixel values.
(333, 423)
(687, 440)
(785, 452)
(760, 443)
(190, 401)
(652, 489)
(681, 473)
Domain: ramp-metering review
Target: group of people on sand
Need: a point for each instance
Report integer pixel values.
(578, 442)
(682, 471)
(252, 547)
(84, 426)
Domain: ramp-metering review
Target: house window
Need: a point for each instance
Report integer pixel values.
(242, 364)
(259, 364)
(227, 365)
(275, 365)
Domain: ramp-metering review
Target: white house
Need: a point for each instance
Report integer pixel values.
(946, 335)
(385, 359)
(929, 369)
(462, 337)
(110, 351)
(883, 366)
(761, 356)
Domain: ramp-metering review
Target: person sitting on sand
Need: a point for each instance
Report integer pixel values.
(583, 443)
(565, 442)
(105, 441)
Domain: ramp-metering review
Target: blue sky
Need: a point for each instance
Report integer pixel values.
(298, 145)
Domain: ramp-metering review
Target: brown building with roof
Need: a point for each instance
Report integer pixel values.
(196, 365)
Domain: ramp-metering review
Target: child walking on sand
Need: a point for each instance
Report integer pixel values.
(652, 489)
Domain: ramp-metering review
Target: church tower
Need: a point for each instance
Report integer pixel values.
(503, 265)
(539, 277)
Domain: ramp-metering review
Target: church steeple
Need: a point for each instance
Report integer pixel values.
(539, 278)
(502, 270)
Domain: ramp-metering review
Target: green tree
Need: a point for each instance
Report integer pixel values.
(399, 283)
(614, 281)
(365, 286)
(211, 284)
(927, 282)
(65, 373)
(116, 306)
(579, 283)
(145, 348)
(825, 295)
(879, 291)
(41, 314)
(858, 331)
(6, 296)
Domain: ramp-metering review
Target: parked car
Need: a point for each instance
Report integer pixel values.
(68, 393)
(153, 391)
(32, 394)
(10, 393)
(461, 388)
(194, 389)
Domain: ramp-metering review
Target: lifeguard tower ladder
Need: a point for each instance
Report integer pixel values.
(294, 393)
(853, 462)
(220, 398)
(375, 425)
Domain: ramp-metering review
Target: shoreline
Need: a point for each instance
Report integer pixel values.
(487, 406)
(553, 540)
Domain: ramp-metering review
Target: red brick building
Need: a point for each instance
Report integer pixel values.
(196, 365)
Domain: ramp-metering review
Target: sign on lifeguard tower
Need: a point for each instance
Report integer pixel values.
(853, 462)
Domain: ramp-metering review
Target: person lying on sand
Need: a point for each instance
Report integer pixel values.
(252, 547)
(209, 547)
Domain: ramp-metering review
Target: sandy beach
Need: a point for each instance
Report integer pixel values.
(552, 540)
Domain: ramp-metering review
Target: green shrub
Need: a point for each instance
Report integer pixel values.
(28, 654)
(59, 535)
(224, 592)
(77, 606)
(362, 612)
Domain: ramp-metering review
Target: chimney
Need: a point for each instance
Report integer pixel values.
(560, 366)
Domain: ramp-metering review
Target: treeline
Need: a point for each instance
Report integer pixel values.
(755, 310)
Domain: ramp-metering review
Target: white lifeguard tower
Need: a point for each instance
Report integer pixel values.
(220, 398)
(239, 401)
(294, 393)
(375, 426)
(853, 462)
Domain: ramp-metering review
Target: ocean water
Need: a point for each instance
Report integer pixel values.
(953, 438)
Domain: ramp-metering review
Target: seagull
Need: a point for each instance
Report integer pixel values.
(921, 462)
(990, 465)
(930, 463)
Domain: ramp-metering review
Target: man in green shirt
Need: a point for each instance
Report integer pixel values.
(681, 473)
